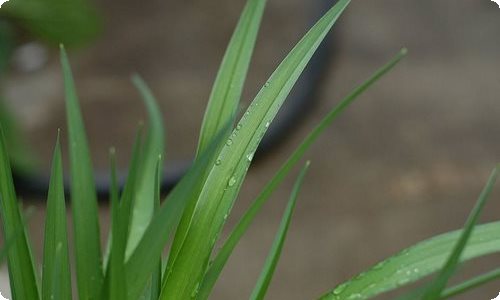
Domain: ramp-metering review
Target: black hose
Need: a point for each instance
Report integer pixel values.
(300, 102)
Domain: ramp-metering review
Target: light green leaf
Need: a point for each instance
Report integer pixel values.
(417, 262)
(265, 277)
(56, 279)
(228, 86)
(23, 281)
(200, 228)
(83, 195)
(433, 291)
(219, 262)
(154, 146)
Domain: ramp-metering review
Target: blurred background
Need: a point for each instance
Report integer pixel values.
(404, 163)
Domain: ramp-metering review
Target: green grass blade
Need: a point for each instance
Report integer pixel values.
(117, 290)
(143, 260)
(218, 264)
(56, 279)
(83, 195)
(416, 262)
(23, 281)
(156, 280)
(122, 217)
(195, 244)
(154, 146)
(228, 86)
(439, 283)
(265, 277)
(470, 284)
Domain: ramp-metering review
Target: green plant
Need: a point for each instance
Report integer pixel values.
(193, 214)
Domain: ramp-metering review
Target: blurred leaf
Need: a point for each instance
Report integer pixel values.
(199, 229)
(417, 262)
(470, 284)
(23, 281)
(83, 195)
(56, 279)
(145, 190)
(71, 22)
(228, 86)
(218, 264)
(21, 157)
(434, 290)
(265, 277)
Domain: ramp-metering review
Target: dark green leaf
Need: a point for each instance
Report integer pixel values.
(83, 195)
(56, 279)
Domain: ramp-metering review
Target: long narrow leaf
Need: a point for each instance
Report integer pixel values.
(417, 262)
(122, 216)
(156, 280)
(228, 86)
(56, 279)
(196, 242)
(154, 146)
(23, 281)
(470, 284)
(83, 195)
(117, 257)
(218, 264)
(439, 284)
(272, 260)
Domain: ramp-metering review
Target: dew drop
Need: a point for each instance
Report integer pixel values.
(195, 290)
(267, 124)
(218, 162)
(267, 84)
(355, 296)
(229, 142)
(380, 265)
(403, 281)
(232, 181)
(238, 127)
(339, 289)
(250, 156)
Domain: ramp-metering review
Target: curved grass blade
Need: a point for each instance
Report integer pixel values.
(470, 284)
(224, 180)
(417, 262)
(83, 195)
(23, 280)
(433, 291)
(154, 146)
(228, 86)
(265, 277)
(220, 261)
(56, 279)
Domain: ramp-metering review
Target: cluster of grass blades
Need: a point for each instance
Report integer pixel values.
(190, 219)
